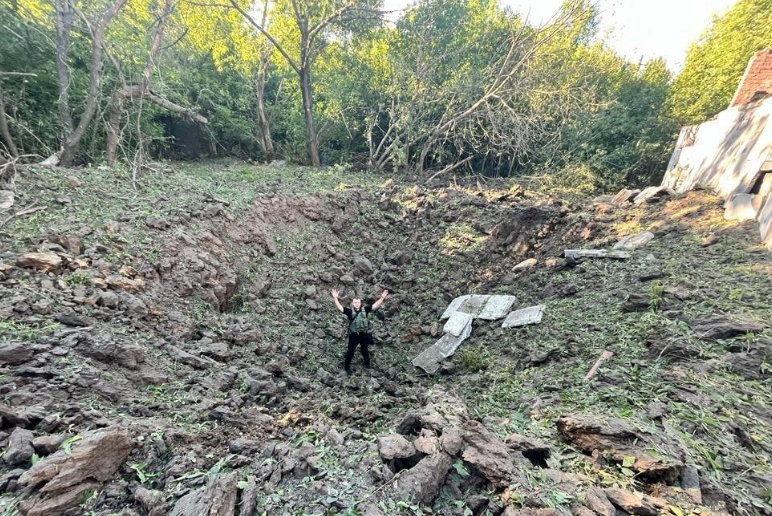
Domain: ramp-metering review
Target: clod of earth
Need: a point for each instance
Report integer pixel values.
(39, 261)
(624, 444)
(715, 327)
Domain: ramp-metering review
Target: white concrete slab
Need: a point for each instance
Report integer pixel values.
(457, 323)
(454, 306)
(631, 242)
(524, 316)
(740, 207)
(474, 305)
(448, 344)
(429, 360)
(596, 253)
(497, 307)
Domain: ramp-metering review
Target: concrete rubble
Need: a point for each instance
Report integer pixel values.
(524, 316)
(459, 314)
(632, 242)
(578, 254)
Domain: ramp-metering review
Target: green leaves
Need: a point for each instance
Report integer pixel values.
(67, 444)
(460, 468)
(715, 64)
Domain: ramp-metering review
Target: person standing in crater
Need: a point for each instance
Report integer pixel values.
(360, 327)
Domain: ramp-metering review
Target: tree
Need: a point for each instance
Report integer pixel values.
(65, 12)
(715, 64)
(311, 19)
(142, 90)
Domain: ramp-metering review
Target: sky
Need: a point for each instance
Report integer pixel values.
(636, 28)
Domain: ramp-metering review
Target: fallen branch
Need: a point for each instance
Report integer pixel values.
(25, 211)
(448, 169)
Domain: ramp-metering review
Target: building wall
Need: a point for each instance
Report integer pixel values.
(757, 81)
(728, 155)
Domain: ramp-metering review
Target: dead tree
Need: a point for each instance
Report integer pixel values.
(142, 90)
(65, 11)
(309, 33)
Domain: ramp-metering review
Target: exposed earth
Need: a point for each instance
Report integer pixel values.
(174, 349)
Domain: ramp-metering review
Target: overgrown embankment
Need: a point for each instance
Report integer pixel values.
(193, 316)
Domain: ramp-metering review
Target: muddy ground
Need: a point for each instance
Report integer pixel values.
(173, 349)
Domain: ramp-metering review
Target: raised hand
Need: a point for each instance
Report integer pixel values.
(384, 294)
(334, 293)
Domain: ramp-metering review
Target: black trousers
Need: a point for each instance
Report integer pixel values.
(363, 340)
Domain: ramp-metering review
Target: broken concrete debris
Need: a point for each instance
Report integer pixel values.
(578, 254)
(459, 314)
(632, 242)
(488, 307)
(457, 323)
(524, 316)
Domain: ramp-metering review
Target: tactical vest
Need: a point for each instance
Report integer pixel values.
(360, 322)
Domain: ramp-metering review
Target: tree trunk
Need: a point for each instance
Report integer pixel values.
(6, 134)
(64, 17)
(266, 144)
(72, 138)
(113, 126)
(308, 114)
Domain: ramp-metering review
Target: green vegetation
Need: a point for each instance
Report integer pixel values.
(446, 85)
(715, 63)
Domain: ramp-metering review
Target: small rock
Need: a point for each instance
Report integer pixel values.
(117, 282)
(710, 240)
(690, 483)
(218, 351)
(42, 306)
(150, 499)
(488, 454)
(656, 409)
(631, 242)
(48, 444)
(451, 441)
(653, 194)
(108, 299)
(74, 182)
(395, 446)
(73, 319)
(19, 448)
(633, 503)
(14, 353)
(427, 443)
(112, 226)
(624, 196)
(651, 275)
(39, 261)
(599, 502)
(528, 264)
(346, 279)
(157, 223)
(218, 498)
(423, 481)
(363, 265)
